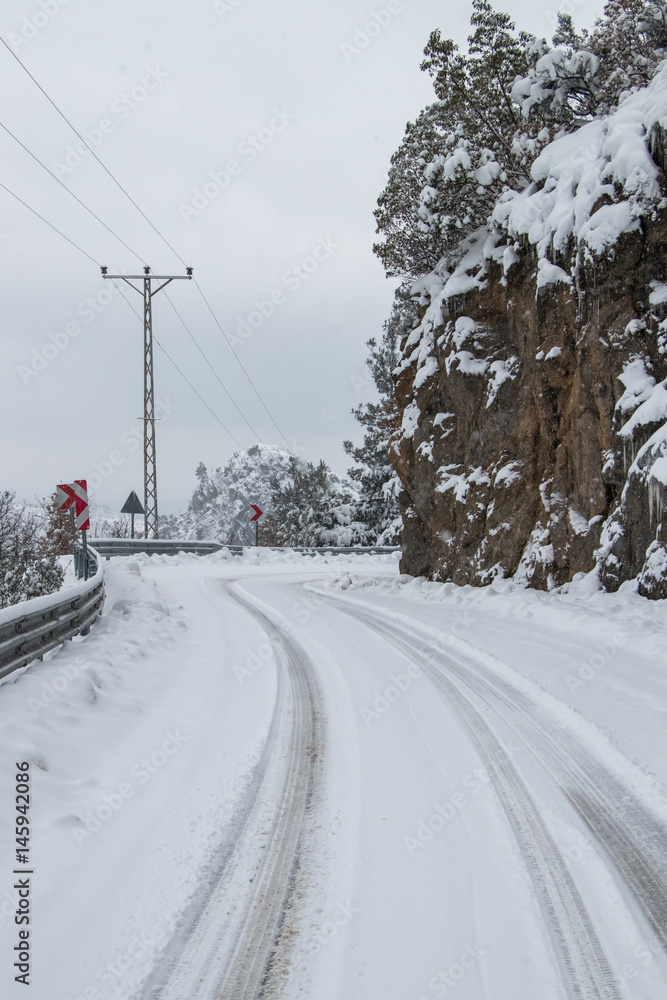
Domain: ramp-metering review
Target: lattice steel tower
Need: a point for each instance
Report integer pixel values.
(150, 458)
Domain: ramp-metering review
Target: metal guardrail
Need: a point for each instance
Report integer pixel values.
(343, 550)
(85, 562)
(32, 628)
(109, 547)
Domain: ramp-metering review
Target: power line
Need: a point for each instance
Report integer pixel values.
(224, 387)
(156, 230)
(241, 365)
(183, 376)
(71, 193)
(91, 150)
(49, 224)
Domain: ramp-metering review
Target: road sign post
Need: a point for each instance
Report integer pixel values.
(74, 497)
(258, 514)
(132, 506)
(72, 526)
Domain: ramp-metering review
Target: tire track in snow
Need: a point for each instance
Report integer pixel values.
(231, 944)
(632, 838)
(585, 969)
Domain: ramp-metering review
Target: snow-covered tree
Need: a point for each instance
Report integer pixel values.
(115, 527)
(26, 568)
(377, 507)
(586, 74)
(57, 529)
(311, 506)
(463, 151)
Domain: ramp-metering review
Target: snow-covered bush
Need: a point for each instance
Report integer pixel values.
(27, 569)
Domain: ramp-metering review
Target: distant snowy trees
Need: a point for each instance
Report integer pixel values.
(311, 507)
(29, 565)
(303, 503)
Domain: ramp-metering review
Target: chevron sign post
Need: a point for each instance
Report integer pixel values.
(74, 497)
(258, 514)
(76, 494)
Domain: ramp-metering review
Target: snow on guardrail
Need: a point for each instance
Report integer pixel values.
(109, 547)
(31, 628)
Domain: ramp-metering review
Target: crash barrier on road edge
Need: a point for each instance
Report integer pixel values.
(31, 628)
(108, 547)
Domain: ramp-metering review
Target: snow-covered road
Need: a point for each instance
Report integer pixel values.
(305, 777)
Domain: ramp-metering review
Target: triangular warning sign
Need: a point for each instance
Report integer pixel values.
(132, 505)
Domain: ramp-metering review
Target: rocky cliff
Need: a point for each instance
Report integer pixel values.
(533, 393)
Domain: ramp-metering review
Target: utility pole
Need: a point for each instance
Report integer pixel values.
(150, 460)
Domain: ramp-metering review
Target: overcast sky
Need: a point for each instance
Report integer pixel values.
(297, 108)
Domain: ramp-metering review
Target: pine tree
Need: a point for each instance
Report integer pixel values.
(463, 151)
(411, 245)
(376, 508)
(206, 490)
(57, 528)
(311, 507)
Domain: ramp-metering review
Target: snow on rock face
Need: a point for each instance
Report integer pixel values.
(594, 184)
(550, 274)
(544, 352)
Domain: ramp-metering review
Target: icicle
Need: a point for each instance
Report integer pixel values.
(654, 501)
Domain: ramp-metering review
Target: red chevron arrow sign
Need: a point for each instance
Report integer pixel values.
(258, 512)
(75, 493)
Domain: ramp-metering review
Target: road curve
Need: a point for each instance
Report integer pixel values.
(585, 969)
(633, 839)
(230, 939)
